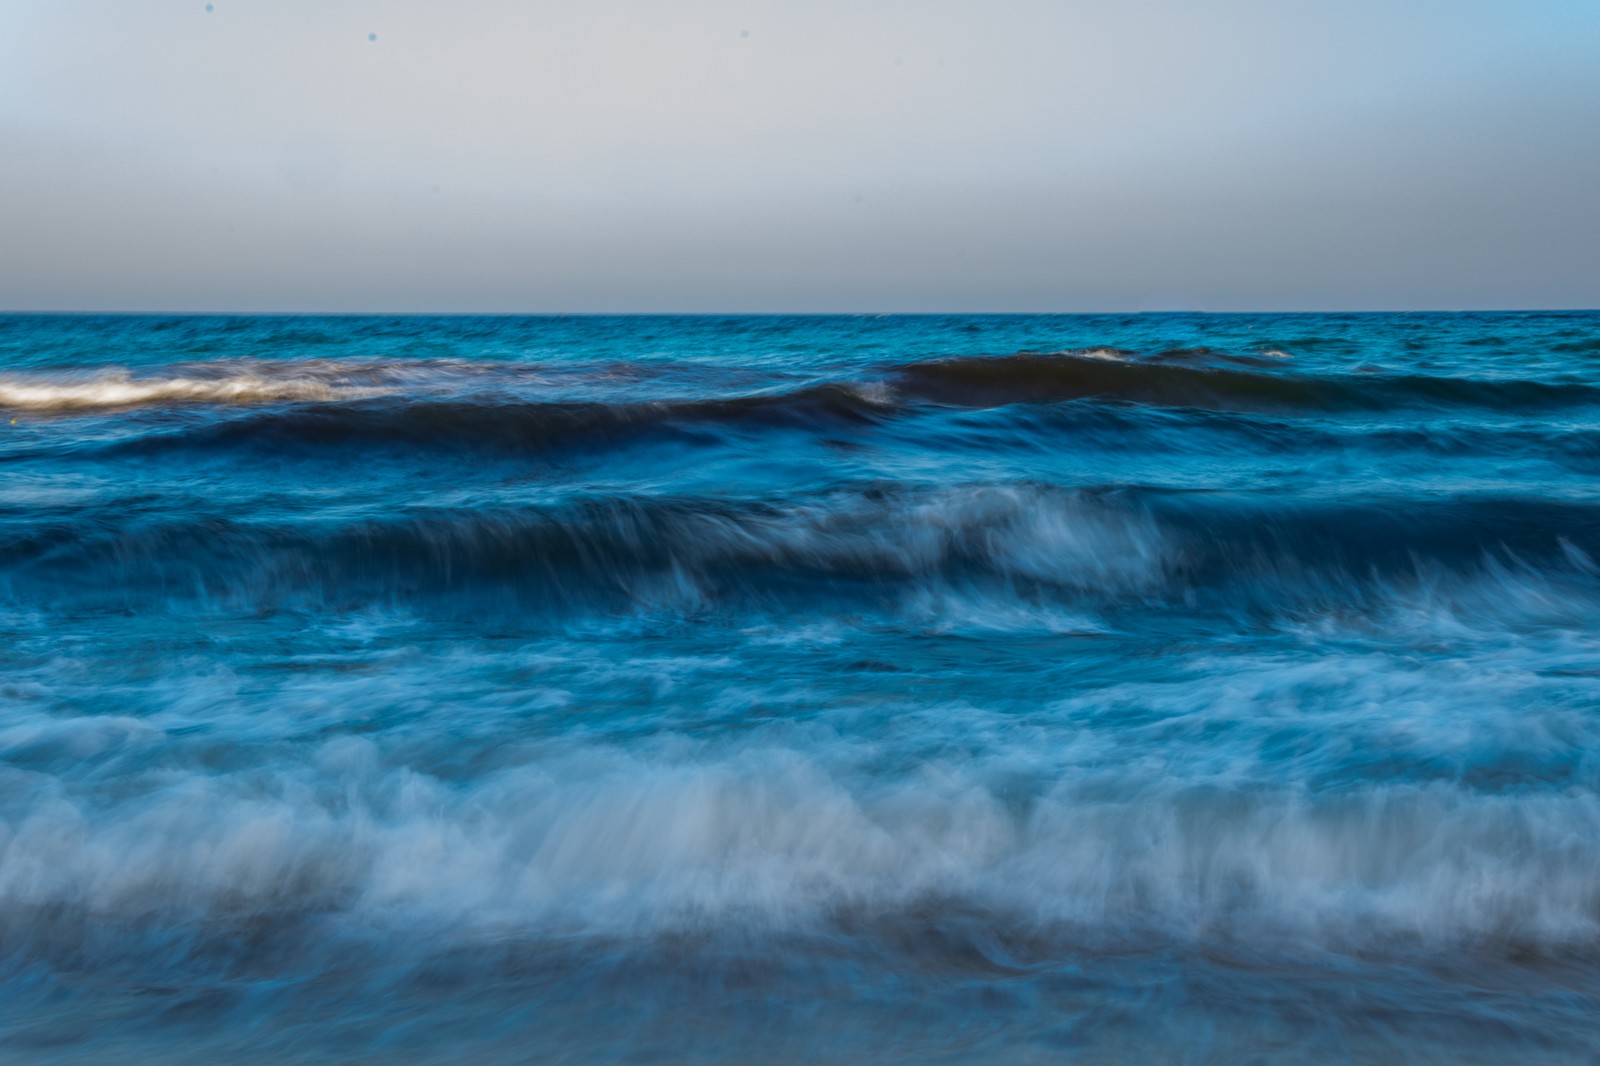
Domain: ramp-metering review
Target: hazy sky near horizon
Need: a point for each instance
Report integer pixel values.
(711, 155)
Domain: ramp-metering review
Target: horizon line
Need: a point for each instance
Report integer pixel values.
(280, 313)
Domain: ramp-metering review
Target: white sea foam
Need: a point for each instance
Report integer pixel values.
(122, 390)
(1022, 531)
(876, 393)
(253, 381)
(603, 842)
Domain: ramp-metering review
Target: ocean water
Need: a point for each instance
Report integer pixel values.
(1202, 689)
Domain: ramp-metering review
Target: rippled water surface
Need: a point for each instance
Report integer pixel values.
(1094, 689)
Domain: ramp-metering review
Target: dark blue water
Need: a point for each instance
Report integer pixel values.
(1096, 689)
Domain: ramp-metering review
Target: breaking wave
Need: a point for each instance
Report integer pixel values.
(1028, 542)
(606, 843)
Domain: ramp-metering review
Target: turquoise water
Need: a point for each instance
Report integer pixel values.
(1086, 688)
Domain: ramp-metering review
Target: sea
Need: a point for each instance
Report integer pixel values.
(1022, 689)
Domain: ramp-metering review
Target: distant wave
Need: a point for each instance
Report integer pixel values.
(1189, 379)
(1192, 379)
(505, 423)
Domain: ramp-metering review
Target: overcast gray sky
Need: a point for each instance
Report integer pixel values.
(883, 155)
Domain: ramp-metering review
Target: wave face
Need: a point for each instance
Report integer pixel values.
(1009, 689)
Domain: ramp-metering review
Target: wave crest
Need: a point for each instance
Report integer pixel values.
(1025, 543)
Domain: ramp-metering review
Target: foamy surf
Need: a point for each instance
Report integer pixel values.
(768, 841)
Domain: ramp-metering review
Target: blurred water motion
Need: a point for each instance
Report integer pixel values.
(1187, 688)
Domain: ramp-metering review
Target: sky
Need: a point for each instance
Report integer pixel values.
(789, 156)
